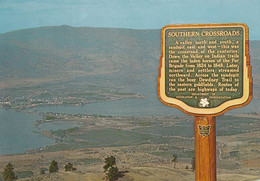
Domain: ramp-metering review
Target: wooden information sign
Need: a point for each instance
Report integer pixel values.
(205, 71)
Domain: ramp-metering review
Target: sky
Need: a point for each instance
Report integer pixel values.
(133, 14)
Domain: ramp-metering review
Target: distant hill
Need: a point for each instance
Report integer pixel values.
(64, 51)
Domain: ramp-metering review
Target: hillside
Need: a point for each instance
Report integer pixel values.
(55, 52)
(64, 60)
(66, 52)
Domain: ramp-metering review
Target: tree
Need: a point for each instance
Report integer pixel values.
(8, 173)
(110, 168)
(109, 162)
(69, 167)
(113, 173)
(53, 167)
(193, 164)
(174, 160)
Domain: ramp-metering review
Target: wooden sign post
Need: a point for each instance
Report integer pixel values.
(205, 148)
(205, 71)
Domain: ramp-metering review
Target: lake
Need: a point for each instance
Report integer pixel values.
(18, 133)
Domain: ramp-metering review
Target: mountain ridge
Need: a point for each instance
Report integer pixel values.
(59, 51)
(62, 52)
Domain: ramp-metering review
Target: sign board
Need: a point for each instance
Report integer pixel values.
(205, 69)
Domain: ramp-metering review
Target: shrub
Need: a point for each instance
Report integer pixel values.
(69, 167)
(53, 167)
(113, 173)
(8, 173)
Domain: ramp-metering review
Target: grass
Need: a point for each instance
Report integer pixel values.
(24, 174)
(257, 140)
(50, 117)
(177, 136)
(63, 133)
(232, 125)
(165, 154)
(87, 161)
(228, 165)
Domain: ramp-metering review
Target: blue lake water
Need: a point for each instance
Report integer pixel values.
(18, 133)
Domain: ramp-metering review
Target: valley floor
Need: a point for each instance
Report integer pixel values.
(143, 148)
(134, 165)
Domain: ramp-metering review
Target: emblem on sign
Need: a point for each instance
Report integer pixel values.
(204, 102)
(204, 130)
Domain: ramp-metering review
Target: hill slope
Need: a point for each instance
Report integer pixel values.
(100, 56)
(55, 52)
